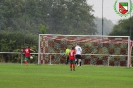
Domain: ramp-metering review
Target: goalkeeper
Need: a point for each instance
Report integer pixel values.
(67, 55)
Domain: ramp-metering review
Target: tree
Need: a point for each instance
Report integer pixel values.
(43, 29)
(14, 40)
(73, 15)
(61, 16)
(123, 28)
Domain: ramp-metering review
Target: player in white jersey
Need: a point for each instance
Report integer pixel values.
(78, 54)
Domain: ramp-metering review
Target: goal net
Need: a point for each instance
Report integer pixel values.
(97, 50)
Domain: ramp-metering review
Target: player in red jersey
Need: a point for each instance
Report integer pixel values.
(27, 55)
(72, 58)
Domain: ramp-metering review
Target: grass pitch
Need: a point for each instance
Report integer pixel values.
(60, 76)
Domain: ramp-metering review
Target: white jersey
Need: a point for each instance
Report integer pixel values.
(78, 50)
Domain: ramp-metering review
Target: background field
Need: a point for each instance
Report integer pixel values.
(60, 76)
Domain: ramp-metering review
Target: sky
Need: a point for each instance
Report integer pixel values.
(108, 9)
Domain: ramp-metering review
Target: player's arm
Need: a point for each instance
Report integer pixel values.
(22, 50)
(32, 50)
(80, 49)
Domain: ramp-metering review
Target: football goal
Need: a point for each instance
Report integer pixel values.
(97, 49)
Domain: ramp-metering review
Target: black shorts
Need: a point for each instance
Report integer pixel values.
(78, 56)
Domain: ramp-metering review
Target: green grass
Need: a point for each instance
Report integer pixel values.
(60, 76)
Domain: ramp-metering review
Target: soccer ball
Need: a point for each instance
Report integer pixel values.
(31, 57)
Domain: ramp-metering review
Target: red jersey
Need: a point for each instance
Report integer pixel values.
(72, 55)
(27, 52)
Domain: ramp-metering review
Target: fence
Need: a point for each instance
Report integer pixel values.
(16, 57)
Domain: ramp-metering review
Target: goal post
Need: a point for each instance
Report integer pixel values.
(97, 49)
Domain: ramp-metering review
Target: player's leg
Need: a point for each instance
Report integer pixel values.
(79, 62)
(26, 61)
(67, 59)
(71, 65)
(75, 61)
